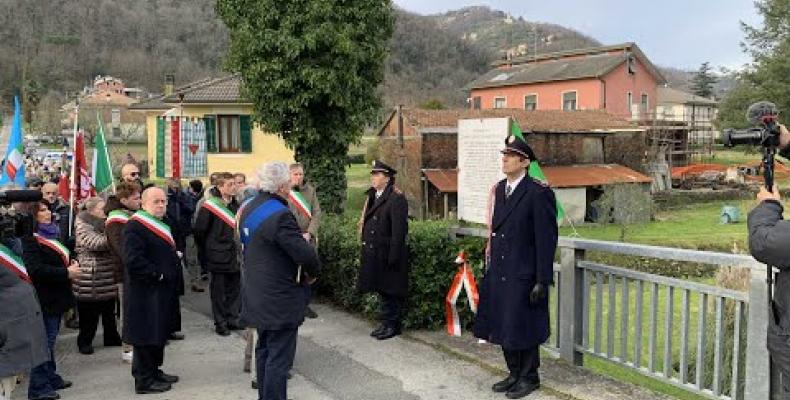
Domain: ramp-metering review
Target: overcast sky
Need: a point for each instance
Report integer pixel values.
(673, 33)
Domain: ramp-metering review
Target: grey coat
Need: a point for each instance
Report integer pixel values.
(23, 343)
(97, 282)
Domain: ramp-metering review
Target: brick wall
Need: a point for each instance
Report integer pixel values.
(626, 148)
(440, 151)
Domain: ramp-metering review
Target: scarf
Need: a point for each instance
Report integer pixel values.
(49, 231)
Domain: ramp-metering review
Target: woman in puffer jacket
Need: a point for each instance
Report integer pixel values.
(96, 289)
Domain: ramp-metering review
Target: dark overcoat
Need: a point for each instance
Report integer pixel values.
(272, 299)
(523, 241)
(217, 239)
(23, 343)
(151, 281)
(50, 277)
(385, 255)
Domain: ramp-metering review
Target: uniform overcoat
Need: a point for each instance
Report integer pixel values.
(523, 241)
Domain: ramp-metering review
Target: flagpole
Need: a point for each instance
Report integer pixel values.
(73, 164)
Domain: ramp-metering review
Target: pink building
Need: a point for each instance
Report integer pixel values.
(108, 84)
(619, 79)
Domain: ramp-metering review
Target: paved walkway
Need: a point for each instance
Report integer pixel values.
(336, 360)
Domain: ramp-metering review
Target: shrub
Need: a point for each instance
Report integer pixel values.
(432, 268)
(356, 158)
(372, 151)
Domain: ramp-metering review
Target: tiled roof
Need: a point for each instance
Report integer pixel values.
(582, 175)
(543, 121)
(219, 90)
(549, 71)
(569, 176)
(669, 95)
(445, 180)
(157, 103)
(590, 53)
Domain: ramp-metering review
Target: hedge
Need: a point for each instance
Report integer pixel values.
(432, 261)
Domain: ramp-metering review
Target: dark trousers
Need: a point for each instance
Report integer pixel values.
(391, 310)
(523, 363)
(225, 297)
(90, 311)
(146, 361)
(274, 357)
(44, 378)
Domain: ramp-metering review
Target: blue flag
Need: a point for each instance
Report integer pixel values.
(14, 161)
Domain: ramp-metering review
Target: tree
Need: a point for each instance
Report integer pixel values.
(624, 205)
(432, 104)
(311, 69)
(703, 81)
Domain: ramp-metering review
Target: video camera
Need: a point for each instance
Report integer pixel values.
(13, 222)
(764, 115)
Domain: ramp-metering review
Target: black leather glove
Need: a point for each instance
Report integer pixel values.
(539, 292)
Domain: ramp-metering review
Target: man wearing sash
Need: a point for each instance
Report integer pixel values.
(214, 231)
(119, 208)
(150, 291)
(273, 299)
(514, 305)
(303, 202)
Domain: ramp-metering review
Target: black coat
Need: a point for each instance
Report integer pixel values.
(523, 243)
(385, 255)
(271, 297)
(49, 276)
(151, 304)
(217, 239)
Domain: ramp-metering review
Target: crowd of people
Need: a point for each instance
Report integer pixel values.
(125, 254)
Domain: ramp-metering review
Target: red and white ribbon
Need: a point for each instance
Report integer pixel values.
(463, 279)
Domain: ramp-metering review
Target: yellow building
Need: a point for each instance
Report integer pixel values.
(234, 144)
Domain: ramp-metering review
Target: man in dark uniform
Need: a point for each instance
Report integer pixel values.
(514, 304)
(385, 260)
(150, 291)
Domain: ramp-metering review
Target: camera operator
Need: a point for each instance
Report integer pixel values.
(769, 242)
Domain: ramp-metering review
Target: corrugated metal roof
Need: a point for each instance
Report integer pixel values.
(445, 180)
(581, 175)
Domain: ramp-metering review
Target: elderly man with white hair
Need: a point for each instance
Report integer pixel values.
(278, 261)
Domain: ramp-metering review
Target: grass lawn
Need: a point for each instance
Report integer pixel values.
(734, 156)
(695, 226)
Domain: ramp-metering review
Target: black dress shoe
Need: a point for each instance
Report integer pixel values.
(378, 331)
(521, 389)
(309, 313)
(254, 384)
(166, 378)
(64, 385)
(176, 336)
(86, 350)
(235, 327)
(155, 387)
(504, 385)
(388, 332)
(222, 330)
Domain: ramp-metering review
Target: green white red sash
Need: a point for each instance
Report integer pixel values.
(117, 216)
(464, 279)
(298, 200)
(156, 226)
(13, 263)
(55, 246)
(217, 207)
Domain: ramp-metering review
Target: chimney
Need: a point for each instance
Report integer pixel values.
(170, 81)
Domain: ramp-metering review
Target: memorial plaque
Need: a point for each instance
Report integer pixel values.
(479, 164)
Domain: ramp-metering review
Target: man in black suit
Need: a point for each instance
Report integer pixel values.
(151, 283)
(514, 304)
(385, 257)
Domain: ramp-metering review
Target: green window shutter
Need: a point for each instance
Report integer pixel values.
(160, 147)
(245, 131)
(211, 133)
